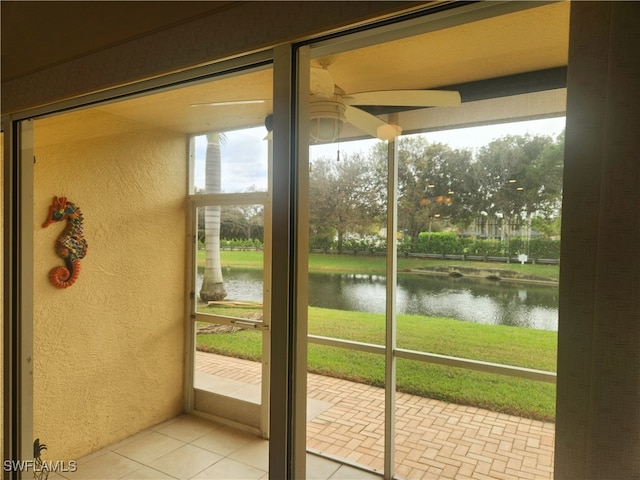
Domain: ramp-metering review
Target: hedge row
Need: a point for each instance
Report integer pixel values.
(437, 243)
(237, 244)
(448, 243)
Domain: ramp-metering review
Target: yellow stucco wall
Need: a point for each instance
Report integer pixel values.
(109, 350)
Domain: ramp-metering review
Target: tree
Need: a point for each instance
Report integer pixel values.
(544, 176)
(345, 197)
(425, 183)
(507, 186)
(513, 179)
(242, 222)
(213, 283)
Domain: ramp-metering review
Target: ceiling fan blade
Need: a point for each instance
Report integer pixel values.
(366, 122)
(229, 103)
(405, 98)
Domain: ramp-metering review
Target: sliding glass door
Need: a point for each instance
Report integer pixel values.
(401, 194)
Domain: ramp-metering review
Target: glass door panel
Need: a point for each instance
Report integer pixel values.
(437, 191)
(234, 264)
(347, 302)
(230, 273)
(229, 313)
(347, 200)
(229, 303)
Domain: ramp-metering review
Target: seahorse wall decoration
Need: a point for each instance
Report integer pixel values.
(71, 245)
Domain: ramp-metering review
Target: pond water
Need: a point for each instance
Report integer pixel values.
(465, 299)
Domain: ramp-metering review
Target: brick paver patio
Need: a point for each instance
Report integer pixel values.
(434, 439)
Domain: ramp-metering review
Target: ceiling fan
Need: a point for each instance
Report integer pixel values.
(331, 107)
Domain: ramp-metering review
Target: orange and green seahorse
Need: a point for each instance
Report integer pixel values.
(71, 245)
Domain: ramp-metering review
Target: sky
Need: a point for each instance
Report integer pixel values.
(244, 152)
(471, 137)
(244, 160)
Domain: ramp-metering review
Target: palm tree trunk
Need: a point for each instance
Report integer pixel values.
(212, 284)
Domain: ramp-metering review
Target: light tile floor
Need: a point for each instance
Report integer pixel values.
(189, 447)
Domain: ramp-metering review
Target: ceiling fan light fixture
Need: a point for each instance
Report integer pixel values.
(326, 118)
(388, 131)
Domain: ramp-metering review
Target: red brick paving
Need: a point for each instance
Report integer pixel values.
(434, 439)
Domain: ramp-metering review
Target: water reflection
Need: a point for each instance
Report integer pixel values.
(472, 300)
(240, 283)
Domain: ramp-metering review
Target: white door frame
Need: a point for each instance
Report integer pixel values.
(223, 408)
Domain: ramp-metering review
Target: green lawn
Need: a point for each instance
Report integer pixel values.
(507, 345)
(522, 347)
(499, 344)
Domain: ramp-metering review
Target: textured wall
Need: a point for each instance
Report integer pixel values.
(108, 351)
